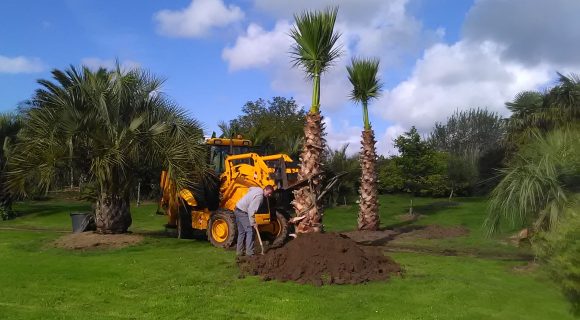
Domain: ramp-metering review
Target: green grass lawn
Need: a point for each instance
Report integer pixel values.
(180, 279)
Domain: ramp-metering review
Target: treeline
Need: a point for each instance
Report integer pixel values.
(459, 157)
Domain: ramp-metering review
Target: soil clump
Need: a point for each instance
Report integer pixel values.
(322, 258)
(92, 240)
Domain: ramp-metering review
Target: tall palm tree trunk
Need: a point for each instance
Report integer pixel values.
(112, 214)
(305, 202)
(368, 218)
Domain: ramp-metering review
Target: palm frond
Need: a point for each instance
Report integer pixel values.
(363, 75)
(533, 189)
(316, 42)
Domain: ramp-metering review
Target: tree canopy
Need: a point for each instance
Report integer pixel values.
(275, 124)
(114, 121)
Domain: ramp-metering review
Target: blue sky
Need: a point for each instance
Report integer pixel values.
(437, 56)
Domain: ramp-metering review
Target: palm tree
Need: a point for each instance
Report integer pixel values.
(10, 124)
(116, 121)
(338, 162)
(538, 187)
(362, 74)
(314, 50)
(534, 111)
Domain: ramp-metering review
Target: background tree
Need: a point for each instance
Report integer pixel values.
(415, 160)
(277, 125)
(540, 112)
(338, 162)
(362, 74)
(10, 124)
(315, 48)
(390, 175)
(121, 120)
(468, 137)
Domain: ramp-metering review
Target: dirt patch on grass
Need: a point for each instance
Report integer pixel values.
(435, 232)
(409, 217)
(91, 240)
(318, 259)
(382, 237)
(529, 267)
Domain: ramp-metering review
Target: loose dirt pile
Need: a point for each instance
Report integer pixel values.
(91, 240)
(322, 258)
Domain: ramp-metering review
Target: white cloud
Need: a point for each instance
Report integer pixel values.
(258, 47)
(371, 27)
(337, 135)
(385, 142)
(485, 68)
(343, 132)
(96, 63)
(544, 31)
(269, 51)
(197, 19)
(459, 76)
(20, 64)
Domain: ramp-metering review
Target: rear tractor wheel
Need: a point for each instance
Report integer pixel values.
(221, 230)
(277, 231)
(184, 228)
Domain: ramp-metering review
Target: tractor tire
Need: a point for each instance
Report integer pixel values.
(184, 228)
(222, 230)
(281, 231)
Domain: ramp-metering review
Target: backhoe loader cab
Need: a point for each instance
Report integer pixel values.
(238, 168)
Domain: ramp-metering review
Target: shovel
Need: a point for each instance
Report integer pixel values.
(259, 238)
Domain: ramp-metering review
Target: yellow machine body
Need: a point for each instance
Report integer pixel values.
(237, 173)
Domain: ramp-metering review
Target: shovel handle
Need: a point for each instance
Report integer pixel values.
(259, 238)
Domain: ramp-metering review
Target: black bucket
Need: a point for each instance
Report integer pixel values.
(82, 221)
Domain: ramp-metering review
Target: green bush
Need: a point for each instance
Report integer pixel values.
(436, 185)
(390, 176)
(559, 249)
(7, 213)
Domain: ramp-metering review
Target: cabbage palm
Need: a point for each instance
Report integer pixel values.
(116, 121)
(314, 50)
(366, 85)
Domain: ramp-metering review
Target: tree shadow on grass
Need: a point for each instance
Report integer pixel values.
(40, 209)
(435, 207)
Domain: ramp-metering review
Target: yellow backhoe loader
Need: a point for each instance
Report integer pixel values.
(210, 211)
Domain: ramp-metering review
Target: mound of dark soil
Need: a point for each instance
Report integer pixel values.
(322, 258)
(91, 240)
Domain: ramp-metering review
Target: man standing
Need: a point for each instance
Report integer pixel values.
(245, 220)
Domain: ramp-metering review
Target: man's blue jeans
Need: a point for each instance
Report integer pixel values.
(245, 233)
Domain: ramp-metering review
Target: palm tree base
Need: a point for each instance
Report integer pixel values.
(112, 214)
(368, 218)
(305, 202)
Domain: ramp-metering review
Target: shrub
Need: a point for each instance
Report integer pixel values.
(7, 213)
(559, 249)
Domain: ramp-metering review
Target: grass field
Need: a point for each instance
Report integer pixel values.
(180, 279)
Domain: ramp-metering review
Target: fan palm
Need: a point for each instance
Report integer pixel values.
(314, 50)
(116, 121)
(537, 187)
(534, 112)
(366, 85)
(10, 124)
